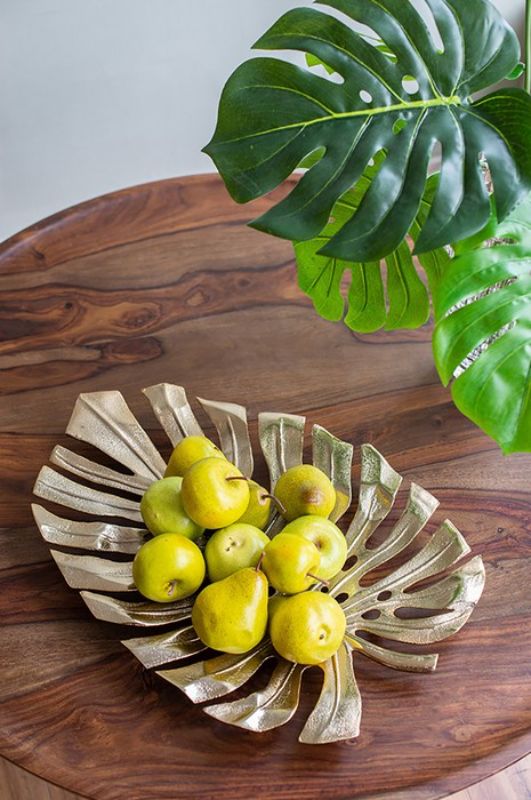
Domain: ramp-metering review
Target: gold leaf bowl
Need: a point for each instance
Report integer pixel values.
(390, 608)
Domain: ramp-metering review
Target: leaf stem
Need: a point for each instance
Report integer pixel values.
(528, 46)
(369, 113)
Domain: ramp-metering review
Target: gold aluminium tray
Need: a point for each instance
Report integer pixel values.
(374, 611)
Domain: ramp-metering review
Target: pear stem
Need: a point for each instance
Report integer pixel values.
(263, 496)
(260, 561)
(276, 501)
(316, 578)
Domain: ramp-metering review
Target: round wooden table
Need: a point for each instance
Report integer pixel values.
(164, 282)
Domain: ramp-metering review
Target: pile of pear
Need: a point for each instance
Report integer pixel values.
(207, 522)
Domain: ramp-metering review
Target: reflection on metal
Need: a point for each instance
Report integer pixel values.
(231, 424)
(154, 651)
(102, 536)
(389, 608)
(90, 572)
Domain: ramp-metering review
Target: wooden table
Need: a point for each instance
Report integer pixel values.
(165, 283)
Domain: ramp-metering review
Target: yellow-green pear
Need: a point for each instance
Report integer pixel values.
(168, 567)
(327, 537)
(233, 548)
(258, 511)
(274, 603)
(215, 493)
(307, 628)
(189, 451)
(231, 615)
(290, 563)
(163, 511)
(305, 490)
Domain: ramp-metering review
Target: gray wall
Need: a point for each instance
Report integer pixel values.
(96, 95)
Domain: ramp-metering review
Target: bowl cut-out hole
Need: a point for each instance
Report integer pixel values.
(342, 597)
(366, 96)
(350, 562)
(407, 612)
(383, 596)
(372, 614)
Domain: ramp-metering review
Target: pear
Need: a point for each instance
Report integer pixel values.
(305, 490)
(163, 512)
(328, 539)
(234, 548)
(258, 511)
(231, 615)
(307, 628)
(290, 562)
(189, 451)
(274, 603)
(215, 493)
(168, 567)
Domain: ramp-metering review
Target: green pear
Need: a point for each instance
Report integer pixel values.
(328, 539)
(163, 511)
(231, 615)
(307, 628)
(168, 567)
(189, 451)
(234, 548)
(214, 492)
(274, 603)
(258, 511)
(290, 563)
(305, 490)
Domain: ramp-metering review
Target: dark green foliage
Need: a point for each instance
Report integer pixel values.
(484, 297)
(364, 126)
(273, 114)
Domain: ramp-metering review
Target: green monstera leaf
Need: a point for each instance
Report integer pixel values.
(273, 114)
(362, 294)
(482, 338)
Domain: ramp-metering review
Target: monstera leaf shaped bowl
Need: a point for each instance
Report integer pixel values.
(409, 604)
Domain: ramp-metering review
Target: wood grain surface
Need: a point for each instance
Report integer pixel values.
(512, 783)
(165, 282)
